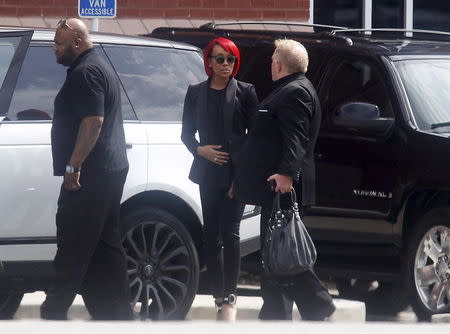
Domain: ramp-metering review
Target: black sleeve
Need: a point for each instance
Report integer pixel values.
(89, 93)
(189, 128)
(251, 105)
(294, 115)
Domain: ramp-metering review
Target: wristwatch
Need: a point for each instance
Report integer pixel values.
(72, 169)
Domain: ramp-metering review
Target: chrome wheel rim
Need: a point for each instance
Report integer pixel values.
(432, 269)
(158, 269)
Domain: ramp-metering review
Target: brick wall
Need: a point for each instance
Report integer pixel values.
(179, 9)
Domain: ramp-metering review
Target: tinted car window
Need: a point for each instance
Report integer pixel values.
(38, 83)
(357, 81)
(8, 46)
(156, 79)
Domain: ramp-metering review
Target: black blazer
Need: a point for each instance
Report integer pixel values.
(239, 107)
(281, 140)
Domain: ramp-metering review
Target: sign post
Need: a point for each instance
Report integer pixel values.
(95, 9)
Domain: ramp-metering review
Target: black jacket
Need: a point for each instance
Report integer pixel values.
(239, 106)
(281, 140)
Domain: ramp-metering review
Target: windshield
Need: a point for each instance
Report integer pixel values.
(427, 84)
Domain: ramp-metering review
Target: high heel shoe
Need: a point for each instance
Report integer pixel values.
(226, 308)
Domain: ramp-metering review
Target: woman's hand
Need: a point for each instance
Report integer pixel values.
(212, 153)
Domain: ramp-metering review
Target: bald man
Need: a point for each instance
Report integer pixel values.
(88, 148)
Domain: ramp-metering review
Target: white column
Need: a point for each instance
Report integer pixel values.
(311, 12)
(95, 24)
(409, 15)
(367, 15)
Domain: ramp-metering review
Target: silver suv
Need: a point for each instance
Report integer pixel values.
(161, 214)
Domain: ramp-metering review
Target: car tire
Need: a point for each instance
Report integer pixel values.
(428, 264)
(381, 298)
(9, 303)
(163, 265)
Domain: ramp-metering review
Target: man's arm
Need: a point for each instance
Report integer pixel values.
(88, 134)
(294, 117)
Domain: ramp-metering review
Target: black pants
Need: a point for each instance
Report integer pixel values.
(90, 259)
(221, 218)
(306, 290)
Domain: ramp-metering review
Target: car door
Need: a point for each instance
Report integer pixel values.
(356, 172)
(29, 190)
(13, 48)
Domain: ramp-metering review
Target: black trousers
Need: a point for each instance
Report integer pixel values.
(221, 218)
(306, 290)
(90, 259)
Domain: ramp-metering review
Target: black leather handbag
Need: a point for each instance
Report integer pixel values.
(288, 249)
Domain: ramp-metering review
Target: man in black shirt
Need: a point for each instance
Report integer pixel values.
(280, 148)
(88, 147)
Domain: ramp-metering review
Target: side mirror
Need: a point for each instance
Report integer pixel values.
(362, 119)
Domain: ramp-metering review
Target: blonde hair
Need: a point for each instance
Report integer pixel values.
(292, 54)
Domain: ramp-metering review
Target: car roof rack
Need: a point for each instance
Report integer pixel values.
(418, 31)
(212, 25)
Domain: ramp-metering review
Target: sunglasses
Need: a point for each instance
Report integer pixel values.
(221, 59)
(63, 23)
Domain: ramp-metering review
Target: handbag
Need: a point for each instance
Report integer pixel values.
(288, 248)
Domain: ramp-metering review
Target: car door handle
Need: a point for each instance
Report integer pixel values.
(129, 146)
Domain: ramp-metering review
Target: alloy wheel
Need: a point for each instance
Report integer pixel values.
(432, 269)
(158, 269)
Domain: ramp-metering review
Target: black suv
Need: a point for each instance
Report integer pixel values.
(382, 217)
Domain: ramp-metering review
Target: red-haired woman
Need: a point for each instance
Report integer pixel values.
(220, 110)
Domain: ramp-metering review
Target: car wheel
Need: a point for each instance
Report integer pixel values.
(381, 298)
(428, 271)
(9, 303)
(163, 265)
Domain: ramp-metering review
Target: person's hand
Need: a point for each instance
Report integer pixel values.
(283, 183)
(230, 192)
(72, 181)
(212, 153)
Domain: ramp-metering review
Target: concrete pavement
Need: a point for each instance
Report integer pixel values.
(202, 309)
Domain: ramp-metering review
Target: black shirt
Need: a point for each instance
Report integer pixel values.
(91, 88)
(215, 115)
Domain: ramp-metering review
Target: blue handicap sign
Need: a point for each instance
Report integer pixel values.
(97, 8)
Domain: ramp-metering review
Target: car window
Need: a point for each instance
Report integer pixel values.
(156, 79)
(8, 46)
(38, 83)
(356, 81)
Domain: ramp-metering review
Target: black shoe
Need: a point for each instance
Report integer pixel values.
(324, 313)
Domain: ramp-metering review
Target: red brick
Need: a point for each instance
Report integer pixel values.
(13, 2)
(239, 3)
(298, 14)
(225, 13)
(129, 12)
(138, 4)
(72, 12)
(177, 13)
(189, 3)
(28, 11)
(250, 14)
(213, 3)
(274, 14)
(263, 3)
(8, 11)
(66, 3)
(127, 3)
(153, 12)
(286, 4)
(165, 3)
(201, 13)
(54, 12)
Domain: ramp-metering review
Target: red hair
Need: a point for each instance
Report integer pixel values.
(229, 47)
